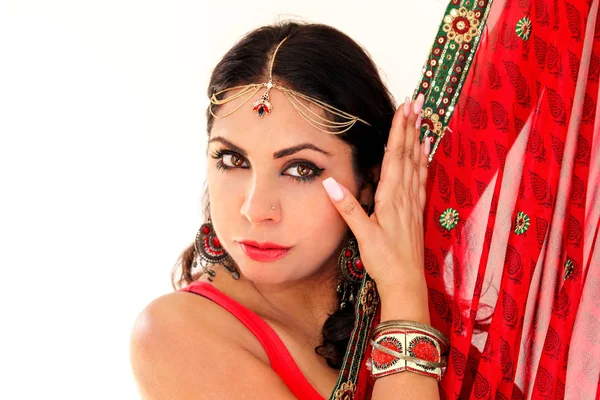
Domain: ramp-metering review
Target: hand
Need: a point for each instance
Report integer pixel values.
(391, 240)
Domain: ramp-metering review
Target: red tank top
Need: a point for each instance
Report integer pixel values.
(279, 356)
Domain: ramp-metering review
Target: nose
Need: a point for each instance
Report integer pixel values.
(262, 202)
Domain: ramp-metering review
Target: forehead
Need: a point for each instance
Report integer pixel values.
(284, 126)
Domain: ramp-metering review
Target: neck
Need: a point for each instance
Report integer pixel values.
(299, 307)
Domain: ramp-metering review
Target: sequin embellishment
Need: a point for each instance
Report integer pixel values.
(345, 392)
(524, 28)
(369, 297)
(522, 223)
(568, 268)
(461, 25)
(449, 218)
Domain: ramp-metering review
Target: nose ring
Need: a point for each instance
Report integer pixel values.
(272, 207)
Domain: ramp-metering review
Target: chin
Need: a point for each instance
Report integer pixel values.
(270, 273)
(293, 267)
(265, 275)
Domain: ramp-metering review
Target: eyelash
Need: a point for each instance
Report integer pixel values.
(316, 171)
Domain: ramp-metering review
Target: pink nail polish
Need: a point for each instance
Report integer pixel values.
(419, 103)
(427, 146)
(418, 122)
(333, 189)
(406, 106)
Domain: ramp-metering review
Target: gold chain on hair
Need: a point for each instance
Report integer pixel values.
(263, 105)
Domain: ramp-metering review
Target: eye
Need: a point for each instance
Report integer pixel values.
(232, 160)
(300, 170)
(303, 171)
(227, 160)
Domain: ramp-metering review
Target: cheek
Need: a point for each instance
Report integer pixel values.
(215, 188)
(225, 186)
(224, 194)
(310, 213)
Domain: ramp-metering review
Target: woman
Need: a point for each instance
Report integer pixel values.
(511, 253)
(311, 183)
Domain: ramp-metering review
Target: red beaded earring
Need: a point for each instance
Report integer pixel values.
(352, 272)
(209, 252)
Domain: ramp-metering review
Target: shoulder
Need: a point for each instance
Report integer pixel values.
(187, 315)
(185, 346)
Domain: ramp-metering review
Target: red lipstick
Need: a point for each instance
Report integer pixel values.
(264, 252)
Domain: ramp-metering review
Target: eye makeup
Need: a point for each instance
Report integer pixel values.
(301, 170)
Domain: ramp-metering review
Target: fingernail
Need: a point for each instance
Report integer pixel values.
(427, 146)
(406, 107)
(419, 103)
(333, 189)
(418, 122)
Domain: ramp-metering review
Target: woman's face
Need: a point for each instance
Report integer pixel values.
(277, 161)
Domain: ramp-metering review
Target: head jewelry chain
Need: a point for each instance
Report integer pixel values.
(263, 105)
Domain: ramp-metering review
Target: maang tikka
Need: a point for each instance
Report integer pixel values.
(333, 120)
(209, 252)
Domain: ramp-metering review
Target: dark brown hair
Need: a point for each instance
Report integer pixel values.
(321, 62)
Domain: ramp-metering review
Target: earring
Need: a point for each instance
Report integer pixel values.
(352, 271)
(208, 252)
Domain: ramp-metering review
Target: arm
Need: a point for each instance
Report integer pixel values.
(173, 357)
(391, 240)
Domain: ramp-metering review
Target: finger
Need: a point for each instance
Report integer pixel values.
(349, 208)
(392, 169)
(410, 155)
(419, 149)
(390, 164)
(396, 136)
(424, 171)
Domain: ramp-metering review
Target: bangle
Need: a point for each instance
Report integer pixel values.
(398, 351)
(413, 326)
(400, 345)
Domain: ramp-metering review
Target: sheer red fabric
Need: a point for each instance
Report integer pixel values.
(515, 279)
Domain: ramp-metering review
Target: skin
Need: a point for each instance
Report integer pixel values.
(296, 293)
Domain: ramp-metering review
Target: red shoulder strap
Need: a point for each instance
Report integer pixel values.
(279, 356)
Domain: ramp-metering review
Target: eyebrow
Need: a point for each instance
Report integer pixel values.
(278, 154)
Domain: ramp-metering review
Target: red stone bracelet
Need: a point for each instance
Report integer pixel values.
(398, 350)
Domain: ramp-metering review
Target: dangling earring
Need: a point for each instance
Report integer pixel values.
(208, 252)
(352, 272)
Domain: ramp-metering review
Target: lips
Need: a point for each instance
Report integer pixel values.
(264, 252)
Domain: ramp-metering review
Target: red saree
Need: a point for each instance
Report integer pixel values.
(512, 220)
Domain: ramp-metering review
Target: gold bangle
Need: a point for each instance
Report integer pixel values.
(412, 325)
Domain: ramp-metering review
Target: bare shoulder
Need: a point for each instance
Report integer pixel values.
(184, 346)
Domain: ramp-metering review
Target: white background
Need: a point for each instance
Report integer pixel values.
(101, 163)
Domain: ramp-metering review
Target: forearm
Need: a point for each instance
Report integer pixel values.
(409, 302)
(406, 386)
(411, 306)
